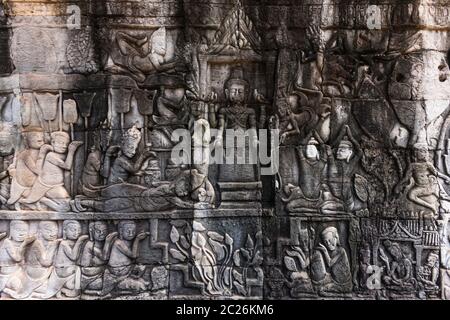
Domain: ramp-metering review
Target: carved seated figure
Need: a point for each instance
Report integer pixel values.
(399, 271)
(309, 195)
(122, 261)
(48, 189)
(26, 170)
(422, 178)
(139, 57)
(330, 267)
(123, 167)
(428, 274)
(12, 256)
(91, 178)
(39, 259)
(342, 169)
(95, 256)
(64, 280)
(6, 163)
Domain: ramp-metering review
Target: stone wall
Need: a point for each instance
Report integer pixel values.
(349, 99)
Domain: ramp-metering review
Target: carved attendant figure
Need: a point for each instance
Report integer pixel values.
(425, 187)
(39, 260)
(65, 278)
(95, 256)
(330, 267)
(27, 167)
(123, 166)
(340, 172)
(122, 260)
(399, 272)
(49, 188)
(12, 254)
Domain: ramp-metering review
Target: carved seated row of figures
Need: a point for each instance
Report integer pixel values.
(43, 266)
(334, 183)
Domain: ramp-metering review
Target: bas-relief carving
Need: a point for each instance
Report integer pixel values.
(361, 194)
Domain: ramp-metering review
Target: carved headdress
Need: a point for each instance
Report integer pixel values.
(237, 77)
(132, 136)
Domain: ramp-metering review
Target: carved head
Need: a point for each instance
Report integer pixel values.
(311, 149)
(345, 150)
(18, 230)
(48, 230)
(330, 238)
(158, 41)
(182, 185)
(394, 250)
(130, 141)
(421, 152)
(127, 229)
(432, 259)
(71, 229)
(34, 137)
(6, 141)
(98, 230)
(60, 141)
(236, 87)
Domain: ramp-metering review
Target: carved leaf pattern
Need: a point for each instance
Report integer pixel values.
(290, 264)
(177, 254)
(174, 235)
(361, 188)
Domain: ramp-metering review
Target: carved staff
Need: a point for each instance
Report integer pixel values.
(145, 106)
(84, 102)
(71, 116)
(48, 105)
(121, 101)
(26, 105)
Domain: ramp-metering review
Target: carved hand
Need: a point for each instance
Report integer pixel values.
(29, 240)
(112, 150)
(74, 145)
(142, 235)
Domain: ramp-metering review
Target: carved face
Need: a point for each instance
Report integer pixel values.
(344, 152)
(237, 93)
(35, 140)
(395, 252)
(128, 231)
(72, 230)
(18, 230)
(330, 241)
(421, 155)
(99, 232)
(312, 152)
(60, 144)
(129, 149)
(49, 230)
(6, 145)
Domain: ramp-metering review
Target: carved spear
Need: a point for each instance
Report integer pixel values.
(145, 106)
(121, 101)
(71, 116)
(84, 102)
(48, 105)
